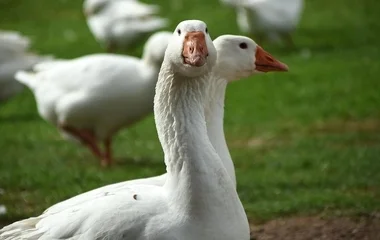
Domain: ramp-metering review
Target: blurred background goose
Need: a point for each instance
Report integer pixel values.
(14, 56)
(268, 20)
(119, 24)
(92, 97)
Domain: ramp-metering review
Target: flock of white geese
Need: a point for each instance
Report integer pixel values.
(182, 76)
(89, 99)
(196, 198)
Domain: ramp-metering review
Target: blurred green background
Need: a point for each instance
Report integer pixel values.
(303, 142)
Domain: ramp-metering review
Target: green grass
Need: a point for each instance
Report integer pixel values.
(304, 142)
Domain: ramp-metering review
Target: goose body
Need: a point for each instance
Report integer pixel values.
(14, 56)
(229, 51)
(94, 96)
(119, 24)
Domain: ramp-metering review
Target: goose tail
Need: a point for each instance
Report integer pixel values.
(27, 78)
(154, 24)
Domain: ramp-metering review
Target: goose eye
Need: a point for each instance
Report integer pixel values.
(243, 45)
(206, 30)
(179, 32)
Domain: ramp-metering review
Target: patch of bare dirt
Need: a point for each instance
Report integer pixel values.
(340, 126)
(258, 143)
(318, 228)
(337, 126)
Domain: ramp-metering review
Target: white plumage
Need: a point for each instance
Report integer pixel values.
(119, 24)
(94, 96)
(272, 20)
(14, 56)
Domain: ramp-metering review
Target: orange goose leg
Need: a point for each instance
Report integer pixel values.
(86, 137)
(107, 159)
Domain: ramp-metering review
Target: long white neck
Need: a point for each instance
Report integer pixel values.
(214, 110)
(197, 177)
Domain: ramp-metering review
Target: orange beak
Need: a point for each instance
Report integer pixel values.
(195, 50)
(267, 63)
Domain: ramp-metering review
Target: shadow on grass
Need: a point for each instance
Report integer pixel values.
(6, 220)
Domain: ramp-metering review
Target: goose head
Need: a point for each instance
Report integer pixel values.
(92, 7)
(191, 51)
(240, 56)
(155, 47)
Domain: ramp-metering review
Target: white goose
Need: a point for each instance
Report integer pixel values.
(242, 47)
(14, 56)
(272, 20)
(120, 23)
(94, 96)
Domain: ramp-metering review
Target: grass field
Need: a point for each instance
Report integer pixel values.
(304, 142)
